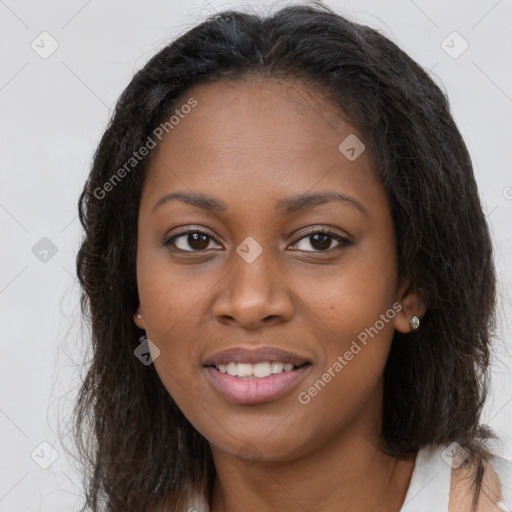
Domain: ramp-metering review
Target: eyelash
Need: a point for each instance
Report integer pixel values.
(343, 241)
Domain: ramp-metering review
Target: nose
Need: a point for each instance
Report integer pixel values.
(253, 295)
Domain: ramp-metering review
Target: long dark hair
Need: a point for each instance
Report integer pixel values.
(137, 447)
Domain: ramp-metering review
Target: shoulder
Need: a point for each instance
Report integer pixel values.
(491, 497)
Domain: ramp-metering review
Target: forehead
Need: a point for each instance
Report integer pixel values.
(273, 137)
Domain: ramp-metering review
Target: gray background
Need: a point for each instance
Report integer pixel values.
(53, 112)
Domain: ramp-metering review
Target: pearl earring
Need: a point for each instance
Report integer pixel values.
(414, 322)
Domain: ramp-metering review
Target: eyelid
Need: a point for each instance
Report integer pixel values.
(342, 239)
(311, 230)
(186, 230)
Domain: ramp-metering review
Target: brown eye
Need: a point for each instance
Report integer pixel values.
(190, 241)
(321, 241)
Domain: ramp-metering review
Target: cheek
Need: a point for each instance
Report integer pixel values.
(353, 295)
(171, 295)
(354, 308)
(347, 380)
(169, 302)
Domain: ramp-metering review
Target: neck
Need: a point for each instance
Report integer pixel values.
(347, 473)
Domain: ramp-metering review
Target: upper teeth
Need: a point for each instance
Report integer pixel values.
(264, 369)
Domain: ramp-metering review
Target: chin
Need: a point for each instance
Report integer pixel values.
(256, 449)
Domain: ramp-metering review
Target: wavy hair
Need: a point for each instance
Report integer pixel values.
(138, 450)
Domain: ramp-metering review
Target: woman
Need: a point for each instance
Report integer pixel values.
(289, 280)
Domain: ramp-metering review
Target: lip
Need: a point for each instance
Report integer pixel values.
(255, 355)
(246, 391)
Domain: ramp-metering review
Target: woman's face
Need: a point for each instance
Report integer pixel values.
(246, 268)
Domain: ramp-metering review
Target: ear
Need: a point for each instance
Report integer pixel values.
(412, 304)
(138, 319)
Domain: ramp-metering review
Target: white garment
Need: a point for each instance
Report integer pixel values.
(429, 488)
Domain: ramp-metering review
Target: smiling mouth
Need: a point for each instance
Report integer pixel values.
(256, 383)
(259, 370)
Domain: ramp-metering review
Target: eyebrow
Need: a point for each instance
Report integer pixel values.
(285, 206)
